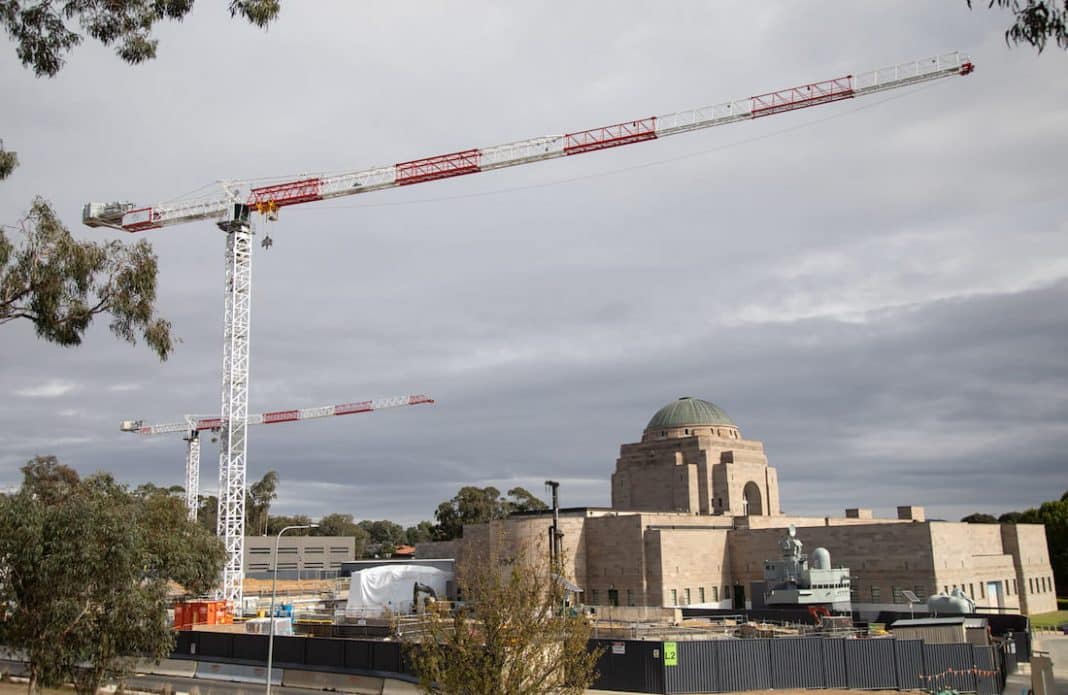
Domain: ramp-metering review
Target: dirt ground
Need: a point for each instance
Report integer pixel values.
(8, 688)
(288, 587)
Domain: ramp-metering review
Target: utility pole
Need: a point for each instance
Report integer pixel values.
(554, 531)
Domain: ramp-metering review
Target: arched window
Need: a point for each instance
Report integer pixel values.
(752, 502)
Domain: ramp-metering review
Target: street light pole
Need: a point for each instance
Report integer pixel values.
(274, 588)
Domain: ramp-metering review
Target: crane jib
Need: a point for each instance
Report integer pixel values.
(802, 97)
(438, 167)
(610, 136)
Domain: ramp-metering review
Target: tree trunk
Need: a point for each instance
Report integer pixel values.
(33, 685)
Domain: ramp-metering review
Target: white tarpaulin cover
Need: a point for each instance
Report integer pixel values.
(390, 587)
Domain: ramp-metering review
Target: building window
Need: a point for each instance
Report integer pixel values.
(1008, 588)
(1015, 586)
(920, 593)
(727, 592)
(982, 590)
(674, 597)
(314, 550)
(630, 597)
(715, 593)
(701, 594)
(896, 595)
(687, 596)
(876, 594)
(613, 597)
(971, 590)
(259, 551)
(287, 551)
(595, 598)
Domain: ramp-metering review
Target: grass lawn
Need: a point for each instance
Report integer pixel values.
(1050, 619)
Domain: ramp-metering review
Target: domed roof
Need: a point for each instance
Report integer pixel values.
(688, 411)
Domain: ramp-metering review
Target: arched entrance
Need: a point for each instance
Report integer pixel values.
(751, 500)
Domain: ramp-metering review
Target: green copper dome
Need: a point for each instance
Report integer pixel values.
(688, 411)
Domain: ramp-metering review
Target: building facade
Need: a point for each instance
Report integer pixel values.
(301, 554)
(695, 513)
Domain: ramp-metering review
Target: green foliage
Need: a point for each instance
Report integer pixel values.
(1035, 21)
(43, 35)
(420, 533)
(1009, 518)
(383, 537)
(343, 525)
(8, 162)
(258, 500)
(523, 501)
(980, 518)
(475, 505)
(512, 636)
(277, 523)
(60, 284)
(87, 566)
(208, 512)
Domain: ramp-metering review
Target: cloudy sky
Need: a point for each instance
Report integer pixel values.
(876, 289)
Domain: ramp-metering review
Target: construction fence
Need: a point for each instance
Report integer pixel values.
(697, 666)
(761, 664)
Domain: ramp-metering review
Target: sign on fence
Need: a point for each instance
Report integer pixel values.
(671, 654)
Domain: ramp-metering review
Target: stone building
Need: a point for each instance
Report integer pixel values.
(695, 513)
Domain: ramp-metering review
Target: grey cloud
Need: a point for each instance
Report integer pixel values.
(873, 290)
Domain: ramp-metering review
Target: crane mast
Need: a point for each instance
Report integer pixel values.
(231, 210)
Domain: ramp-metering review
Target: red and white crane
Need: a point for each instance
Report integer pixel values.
(230, 208)
(195, 424)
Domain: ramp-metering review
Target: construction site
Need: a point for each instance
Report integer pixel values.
(857, 282)
(690, 580)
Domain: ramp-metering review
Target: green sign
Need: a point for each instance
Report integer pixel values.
(671, 654)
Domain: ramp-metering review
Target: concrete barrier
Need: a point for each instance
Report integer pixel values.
(395, 687)
(13, 668)
(237, 674)
(341, 682)
(1057, 646)
(178, 668)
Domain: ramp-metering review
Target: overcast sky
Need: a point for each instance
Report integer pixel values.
(876, 289)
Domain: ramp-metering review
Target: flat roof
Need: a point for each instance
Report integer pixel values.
(927, 622)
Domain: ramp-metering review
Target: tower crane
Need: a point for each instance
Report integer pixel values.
(195, 424)
(231, 210)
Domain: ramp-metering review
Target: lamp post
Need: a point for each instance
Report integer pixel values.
(274, 588)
